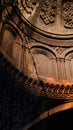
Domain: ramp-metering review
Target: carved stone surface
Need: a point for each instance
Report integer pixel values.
(29, 5)
(59, 50)
(68, 14)
(48, 11)
(30, 46)
(38, 56)
(38, 87)
(42, 16)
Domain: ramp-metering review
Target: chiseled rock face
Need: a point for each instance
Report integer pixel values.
(37, 37)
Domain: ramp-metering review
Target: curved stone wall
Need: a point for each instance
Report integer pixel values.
(32, 38)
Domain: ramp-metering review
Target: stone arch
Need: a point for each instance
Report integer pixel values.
(45, 47)
(9, 44)
(69, 65)
(11, 29)
(60, 108)
(67, 51)
(45, 61)
(69, 55)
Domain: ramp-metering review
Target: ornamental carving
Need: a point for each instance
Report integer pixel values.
(59, 50)
(29, 5)
(48, 11)
(38, 87)
(68, 14)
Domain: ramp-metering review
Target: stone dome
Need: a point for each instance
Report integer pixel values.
(37, 38)
(36, 48)
(51, 18)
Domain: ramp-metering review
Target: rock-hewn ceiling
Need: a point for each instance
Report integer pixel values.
(34, 32)
(49, 13)
(47, 16)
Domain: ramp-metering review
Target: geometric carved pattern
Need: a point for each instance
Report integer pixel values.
(68, 14)
(29, 5)
(59, 50)
(48, 11)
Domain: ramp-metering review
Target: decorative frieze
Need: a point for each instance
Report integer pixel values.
(48, 11)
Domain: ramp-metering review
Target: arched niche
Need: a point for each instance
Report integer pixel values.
(7, 42)
(69, 66)
(45, 62)
(12, 46)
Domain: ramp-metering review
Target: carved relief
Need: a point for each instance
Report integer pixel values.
(68, 14)
(59, 50)
(38, 87)
(4, 13)
(48, 11)
(29, 5)
(30, 40)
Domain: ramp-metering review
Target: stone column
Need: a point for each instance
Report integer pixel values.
(50, 68)
(68, 69)
(61, 69)
(54, 67)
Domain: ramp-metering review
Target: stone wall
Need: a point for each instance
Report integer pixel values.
(39, 53)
